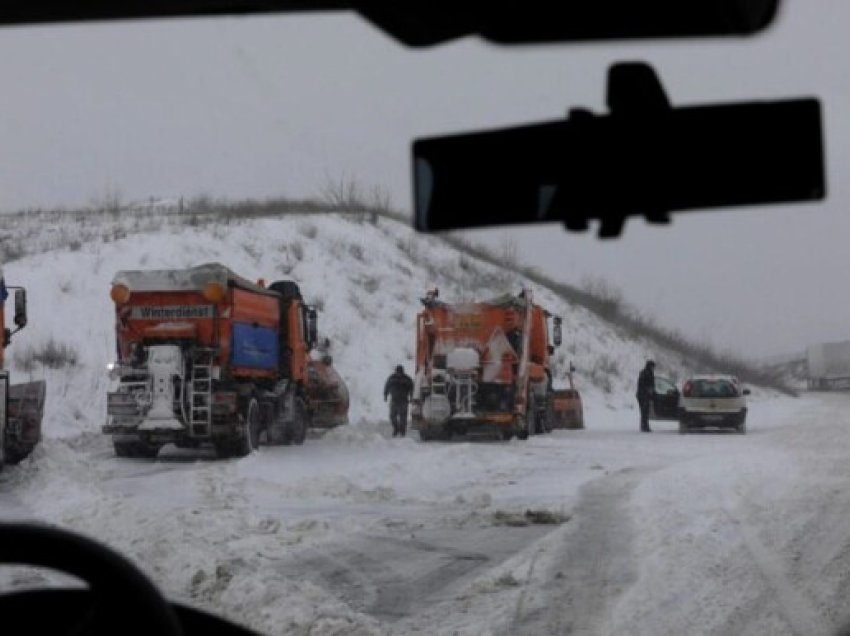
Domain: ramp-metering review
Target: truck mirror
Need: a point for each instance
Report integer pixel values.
(312, 327)
(20, 308)
(550, 349)
(572, 368)
(556, 331)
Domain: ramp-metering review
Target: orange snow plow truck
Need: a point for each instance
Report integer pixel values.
(484, 367)
(208, 357)
(21, 405)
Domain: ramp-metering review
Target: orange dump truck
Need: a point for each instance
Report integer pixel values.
(206, 356)
(21, 405)
(484, 367)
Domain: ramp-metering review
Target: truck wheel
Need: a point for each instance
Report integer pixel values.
(521, 427)
(122, 449)
(250, 439)
(742, 427)
(683, 427)
(148, 451)
(298, 427)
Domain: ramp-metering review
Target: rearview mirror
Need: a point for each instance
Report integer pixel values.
(312, 324)
(746, 391)
(20, 318)
(645, 158)
(427, 24)
(556, 331)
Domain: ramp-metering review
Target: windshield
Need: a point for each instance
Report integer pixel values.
(240, 367)
(710, 389)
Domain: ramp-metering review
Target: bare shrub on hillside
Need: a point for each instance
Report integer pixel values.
(11, 251)
(508, 252)
(605, 368)
(609, 299)
(356, 251)
(52, 354)
(370, 284)
(308, 230)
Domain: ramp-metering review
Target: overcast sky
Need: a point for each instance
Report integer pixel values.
(277, 105)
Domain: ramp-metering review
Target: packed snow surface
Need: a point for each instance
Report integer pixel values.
(600, 531)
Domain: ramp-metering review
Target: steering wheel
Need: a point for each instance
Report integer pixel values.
(119, 599)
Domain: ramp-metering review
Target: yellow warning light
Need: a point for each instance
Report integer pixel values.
(120, 294)
(214, 292)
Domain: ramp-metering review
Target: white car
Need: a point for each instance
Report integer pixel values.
(713, 401)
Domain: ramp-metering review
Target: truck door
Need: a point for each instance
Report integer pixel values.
(665, 405)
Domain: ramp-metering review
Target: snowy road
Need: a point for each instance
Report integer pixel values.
(356, 533)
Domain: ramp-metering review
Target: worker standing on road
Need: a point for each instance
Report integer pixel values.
(399, 388)
(645, 393)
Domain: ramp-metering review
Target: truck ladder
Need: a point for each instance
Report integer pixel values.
(200, 393)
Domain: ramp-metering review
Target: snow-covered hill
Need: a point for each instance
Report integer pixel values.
(365, 277)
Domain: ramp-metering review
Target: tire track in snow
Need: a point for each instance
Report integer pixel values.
(596, 564)
(799, 611)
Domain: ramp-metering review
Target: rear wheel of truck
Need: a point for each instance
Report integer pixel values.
(536, 419)
(297, 428)
(251, 435)
(521, 427)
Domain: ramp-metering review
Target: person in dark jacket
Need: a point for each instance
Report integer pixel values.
(645, 393)
(399, 388)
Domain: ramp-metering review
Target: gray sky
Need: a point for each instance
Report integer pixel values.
(277, 105)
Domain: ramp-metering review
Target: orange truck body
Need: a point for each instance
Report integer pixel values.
(205, 355)
(153, 316)
(482, 366)
(21, 405)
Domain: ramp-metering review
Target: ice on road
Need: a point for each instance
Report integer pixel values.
(358, 533)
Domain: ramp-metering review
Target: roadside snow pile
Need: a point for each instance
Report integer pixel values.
(364, 432)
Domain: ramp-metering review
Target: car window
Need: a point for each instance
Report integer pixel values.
(713, 389)
(664, 386)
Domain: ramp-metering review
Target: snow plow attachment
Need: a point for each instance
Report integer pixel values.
(23, 426)
(327, 395)
(566, 409)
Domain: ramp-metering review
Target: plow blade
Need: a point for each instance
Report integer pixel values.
(23, 428)
(327, 395)
(566, 409)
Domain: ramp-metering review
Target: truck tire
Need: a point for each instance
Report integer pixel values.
(521, 427)
(297, 428)
(683, 427)
(251, 438)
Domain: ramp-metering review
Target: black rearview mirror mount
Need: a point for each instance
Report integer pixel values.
(645, 158)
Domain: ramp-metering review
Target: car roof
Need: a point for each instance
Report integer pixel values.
(714, 376)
